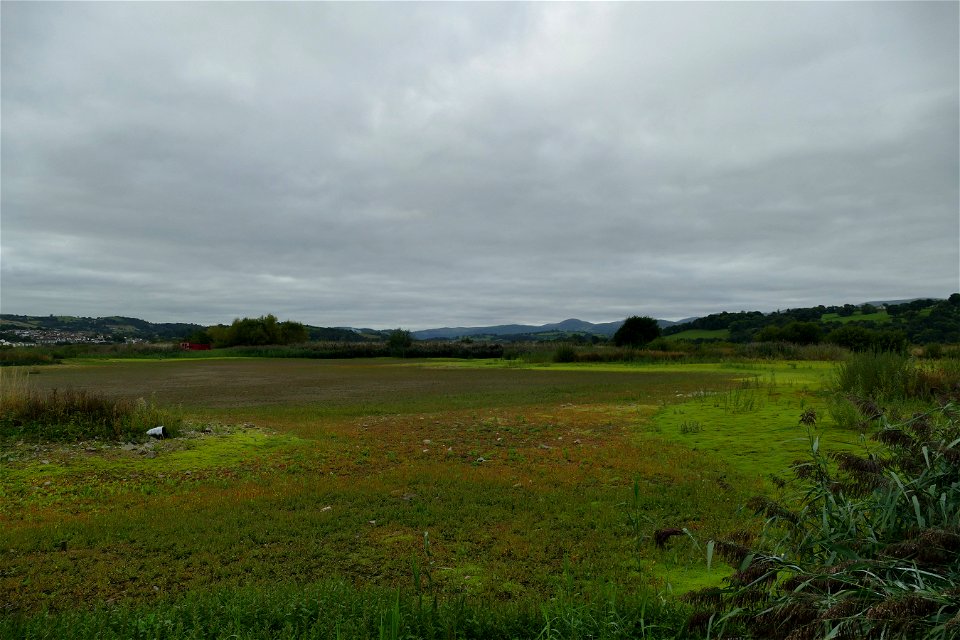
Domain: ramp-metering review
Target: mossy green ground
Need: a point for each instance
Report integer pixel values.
(754, 428)
(522, 476)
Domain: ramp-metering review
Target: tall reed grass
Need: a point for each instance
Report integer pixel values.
(869, 548)
(25, 357)
(26, 413)
(894, 377)
(669, 351)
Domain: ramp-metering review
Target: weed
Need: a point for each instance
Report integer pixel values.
(690, 426)
(741, 399)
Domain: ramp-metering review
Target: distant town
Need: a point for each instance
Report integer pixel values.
(43, 337)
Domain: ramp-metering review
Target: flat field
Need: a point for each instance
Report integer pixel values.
(481, 480)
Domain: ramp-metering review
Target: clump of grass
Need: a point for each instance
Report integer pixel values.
(879, 376)
(690, 426)
(894, 377)
(26, 413)
(933, 351)
(740, 399)
(845, 413)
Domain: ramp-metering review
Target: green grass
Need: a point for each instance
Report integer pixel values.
(80, 479)
(336, 609)
(754, 426)
(881, 317)
(522, 475)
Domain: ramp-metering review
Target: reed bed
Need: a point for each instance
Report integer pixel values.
(30, 414)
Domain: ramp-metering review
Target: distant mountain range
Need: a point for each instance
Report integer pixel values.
(15, 328)
(118, 328)
(569, 326)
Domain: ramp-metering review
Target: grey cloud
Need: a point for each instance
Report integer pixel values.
(428, 164)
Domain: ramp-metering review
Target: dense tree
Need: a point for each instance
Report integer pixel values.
(636, 331)
(920, 321)
(802, 333)
(858, 338)
(795, 332)
(293, 333)
(201, 336)
(399, 341)
(852, 337)
(257, 332)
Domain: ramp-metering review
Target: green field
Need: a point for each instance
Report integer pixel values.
(503, 487)
(881, 317)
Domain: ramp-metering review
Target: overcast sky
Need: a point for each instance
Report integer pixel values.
(422, 165)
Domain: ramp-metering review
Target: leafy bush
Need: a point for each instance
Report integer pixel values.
(871, 547)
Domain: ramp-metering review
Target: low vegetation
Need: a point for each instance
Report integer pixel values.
(860, 544)
(892, 377)
(868, 547)
(897, 328)
(537, 495)
(29, 414)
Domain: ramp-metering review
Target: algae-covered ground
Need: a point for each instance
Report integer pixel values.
(488, 480)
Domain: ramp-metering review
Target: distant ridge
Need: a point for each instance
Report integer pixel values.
(122, 327)
(571, 325)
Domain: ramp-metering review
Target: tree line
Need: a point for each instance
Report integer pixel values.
(863, 328)
(923, 321)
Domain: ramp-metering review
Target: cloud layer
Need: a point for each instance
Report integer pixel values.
(450, 164)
